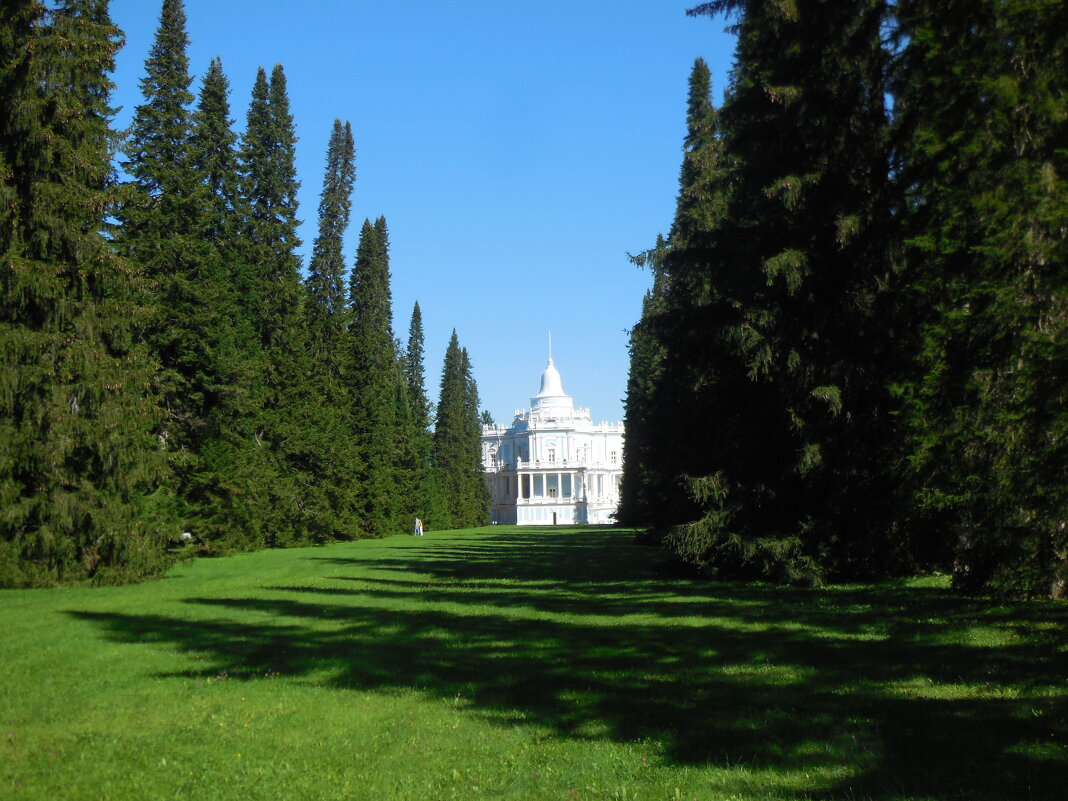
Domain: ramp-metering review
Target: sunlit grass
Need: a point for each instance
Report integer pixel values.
(523, 664)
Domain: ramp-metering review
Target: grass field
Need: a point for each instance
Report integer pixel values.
(523, 664)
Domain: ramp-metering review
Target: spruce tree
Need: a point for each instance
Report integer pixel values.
(640, 504)
(373, 379)
(79, 460)
(673, 374)
(476, 492)
(255, 152)
(418, 418)
(447, 453)
(414, 371)
(411, 473)
(235, 464)
(457, 446)
(327, 310)
(797, 286)
(275, 303)
(981, 106)
(794, 485)
(213, 146)
(335, 459)
(168, 226)
(269, 185)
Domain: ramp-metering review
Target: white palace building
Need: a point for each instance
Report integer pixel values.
(552, 465)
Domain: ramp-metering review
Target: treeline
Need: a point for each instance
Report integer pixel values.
(853, 361)
(167, 376)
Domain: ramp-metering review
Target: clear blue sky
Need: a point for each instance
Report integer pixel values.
(518, 152)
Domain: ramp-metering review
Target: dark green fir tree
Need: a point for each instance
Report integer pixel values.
(411, 473)
(786, 283)
(275, 303)
(981, 105)
(640, 502)
(333, 453)
(373, 380)
(167, 226)
(672, 376)
(79, 457)
(236, 464)
(327, 309)
(269, 186)
(213, 146)
(457, 446)
(425, 490)
(415, 371)
(476, 491)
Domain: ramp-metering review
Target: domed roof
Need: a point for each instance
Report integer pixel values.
(551, 403)
(551, 385)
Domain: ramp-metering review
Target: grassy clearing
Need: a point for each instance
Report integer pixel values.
(523, 664)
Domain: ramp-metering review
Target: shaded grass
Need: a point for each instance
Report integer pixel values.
(524, 663)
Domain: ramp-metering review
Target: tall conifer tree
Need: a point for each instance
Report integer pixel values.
(784, 280)
(411, 474)
(373, 379)
(213, 146)
(167, 227)
(476, 491)
(275, 303)
(670, 341)
(268, 153)
(457, 445)
(327, 310)
(414, 370)
(674, 373)
(982, 102)
(641, 504)
(424, 485)
(78, 455)
(334, 457)
(236, 466)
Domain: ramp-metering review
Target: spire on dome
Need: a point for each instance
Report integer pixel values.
(552, 387)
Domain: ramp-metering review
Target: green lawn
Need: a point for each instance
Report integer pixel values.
(523, 664)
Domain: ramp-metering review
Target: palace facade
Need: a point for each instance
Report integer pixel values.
(553, 465)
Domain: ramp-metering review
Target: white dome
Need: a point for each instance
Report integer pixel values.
(551, 385)
(552, 403)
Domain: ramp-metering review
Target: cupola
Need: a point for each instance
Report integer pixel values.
(552, 402)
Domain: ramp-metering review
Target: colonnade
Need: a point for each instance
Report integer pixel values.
(552, 487)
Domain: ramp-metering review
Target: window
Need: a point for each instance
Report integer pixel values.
(613, 459)
(552, 454)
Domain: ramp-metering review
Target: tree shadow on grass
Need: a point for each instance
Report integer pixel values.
(582, 633)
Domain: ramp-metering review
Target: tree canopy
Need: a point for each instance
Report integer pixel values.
(169, 380)
(862, 297)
